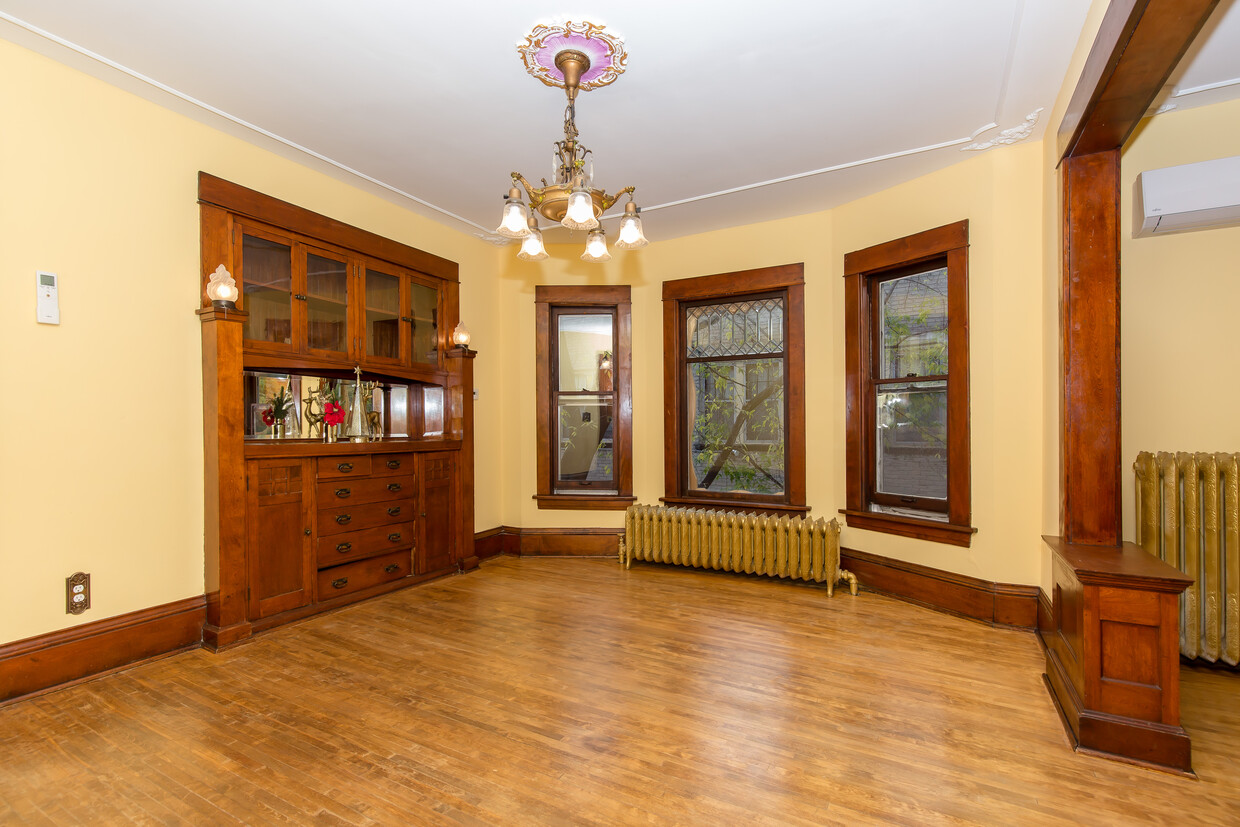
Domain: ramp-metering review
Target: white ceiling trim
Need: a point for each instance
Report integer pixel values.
(1209, 87)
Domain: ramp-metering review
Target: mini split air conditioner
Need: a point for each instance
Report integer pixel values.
(1188, 197)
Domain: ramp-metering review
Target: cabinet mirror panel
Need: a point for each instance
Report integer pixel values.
(327, 294)
(291, 406)
(424, 310)
(267, 278)
(382, 315)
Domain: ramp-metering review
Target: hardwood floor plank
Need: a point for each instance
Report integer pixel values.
(547, 691)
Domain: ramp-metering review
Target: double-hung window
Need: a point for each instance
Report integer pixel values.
(907, 361)
(584, 398)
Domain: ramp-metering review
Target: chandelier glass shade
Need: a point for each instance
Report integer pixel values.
(576, 57)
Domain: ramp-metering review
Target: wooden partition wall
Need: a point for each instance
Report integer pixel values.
(1111, 631)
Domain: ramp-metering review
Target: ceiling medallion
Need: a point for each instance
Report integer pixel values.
(574, 57)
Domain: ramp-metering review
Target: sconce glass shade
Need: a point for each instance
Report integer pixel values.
(631, 236)
(515, 223)
(596, 247)
(222, 289)
(460, 335)
(532, 247)
(580, 213)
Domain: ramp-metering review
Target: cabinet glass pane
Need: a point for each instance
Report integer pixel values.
(267, 274)
(382, 315)
(327, 292)
(583, 348)
(424, 310)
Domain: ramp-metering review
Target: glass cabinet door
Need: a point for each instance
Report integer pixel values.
(424, 316)
(327, 304)
(267, 288)
(382, 316)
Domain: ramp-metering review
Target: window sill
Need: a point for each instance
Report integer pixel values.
(930, 530)
(584, 502)
(713, 504)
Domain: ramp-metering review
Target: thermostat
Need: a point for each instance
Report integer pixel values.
(47, 307)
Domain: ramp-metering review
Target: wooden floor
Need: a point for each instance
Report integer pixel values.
(539, 691)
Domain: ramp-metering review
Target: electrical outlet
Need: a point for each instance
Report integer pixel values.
(77, 593)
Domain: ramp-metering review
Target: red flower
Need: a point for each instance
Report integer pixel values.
(269, 417)
(333, 413)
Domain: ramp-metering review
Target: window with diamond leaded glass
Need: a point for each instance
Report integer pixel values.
(734, 356)
(906, 346)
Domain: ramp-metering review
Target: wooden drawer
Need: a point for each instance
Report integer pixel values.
(344, 466)
(339, 493)
(342, 518)
(391, 465)
(354, 545)
(353, 577)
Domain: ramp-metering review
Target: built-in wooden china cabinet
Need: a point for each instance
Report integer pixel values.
(294, 524)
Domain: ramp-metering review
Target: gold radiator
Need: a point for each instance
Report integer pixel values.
(1188, 514)
(727, 541)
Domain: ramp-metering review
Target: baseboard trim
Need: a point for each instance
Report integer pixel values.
(548, 542)
(68, 656)
(999, 604)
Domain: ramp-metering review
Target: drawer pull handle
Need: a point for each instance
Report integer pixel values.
(340, 582)
(393, 463)
(393, 486)
(393, 511)
(344, 519)
(343, 493)
(344, 467)
(394, 537)
(343, 547)
(391, 568)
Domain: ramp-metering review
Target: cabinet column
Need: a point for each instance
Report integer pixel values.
(224, 476)
(460, 363)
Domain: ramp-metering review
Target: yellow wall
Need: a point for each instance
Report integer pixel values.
(1180, 295)
(101, 433)
(1000, 192)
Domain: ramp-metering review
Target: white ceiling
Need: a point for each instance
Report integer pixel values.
(730, 112)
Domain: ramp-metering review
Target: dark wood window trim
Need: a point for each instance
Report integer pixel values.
(862, 268)
(618, 299)
(788, 280)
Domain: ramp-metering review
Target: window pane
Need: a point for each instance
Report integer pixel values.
(584, 349)
(585, 434)
(424, 310)
(327, 285)
(267, 274)
(912, 325)
(736, 426)
(382, 315)
(911, 443)
(735, 329)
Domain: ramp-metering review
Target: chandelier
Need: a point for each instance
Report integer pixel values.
(576, 57)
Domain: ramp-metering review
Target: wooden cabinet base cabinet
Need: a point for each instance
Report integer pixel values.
(325, 530)
(1113, 653)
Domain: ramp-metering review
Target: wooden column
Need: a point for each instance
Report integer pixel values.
(224, 466)
(461, 364)
(1112, 640)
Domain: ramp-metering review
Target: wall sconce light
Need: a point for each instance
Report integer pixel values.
(460, 335)
(222, 289)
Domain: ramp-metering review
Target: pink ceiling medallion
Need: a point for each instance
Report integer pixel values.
(604, 52)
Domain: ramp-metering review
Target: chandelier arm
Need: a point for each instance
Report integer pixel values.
(609, 200)
(534, 194)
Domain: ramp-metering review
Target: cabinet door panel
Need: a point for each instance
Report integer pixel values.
(424, 323)
(281, 571)
(327, 305)
(437, 511)
(267, 289)
(381, 317)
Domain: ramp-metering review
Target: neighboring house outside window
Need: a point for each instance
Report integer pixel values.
(907, 366)
(584, 392)
(734, 368)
